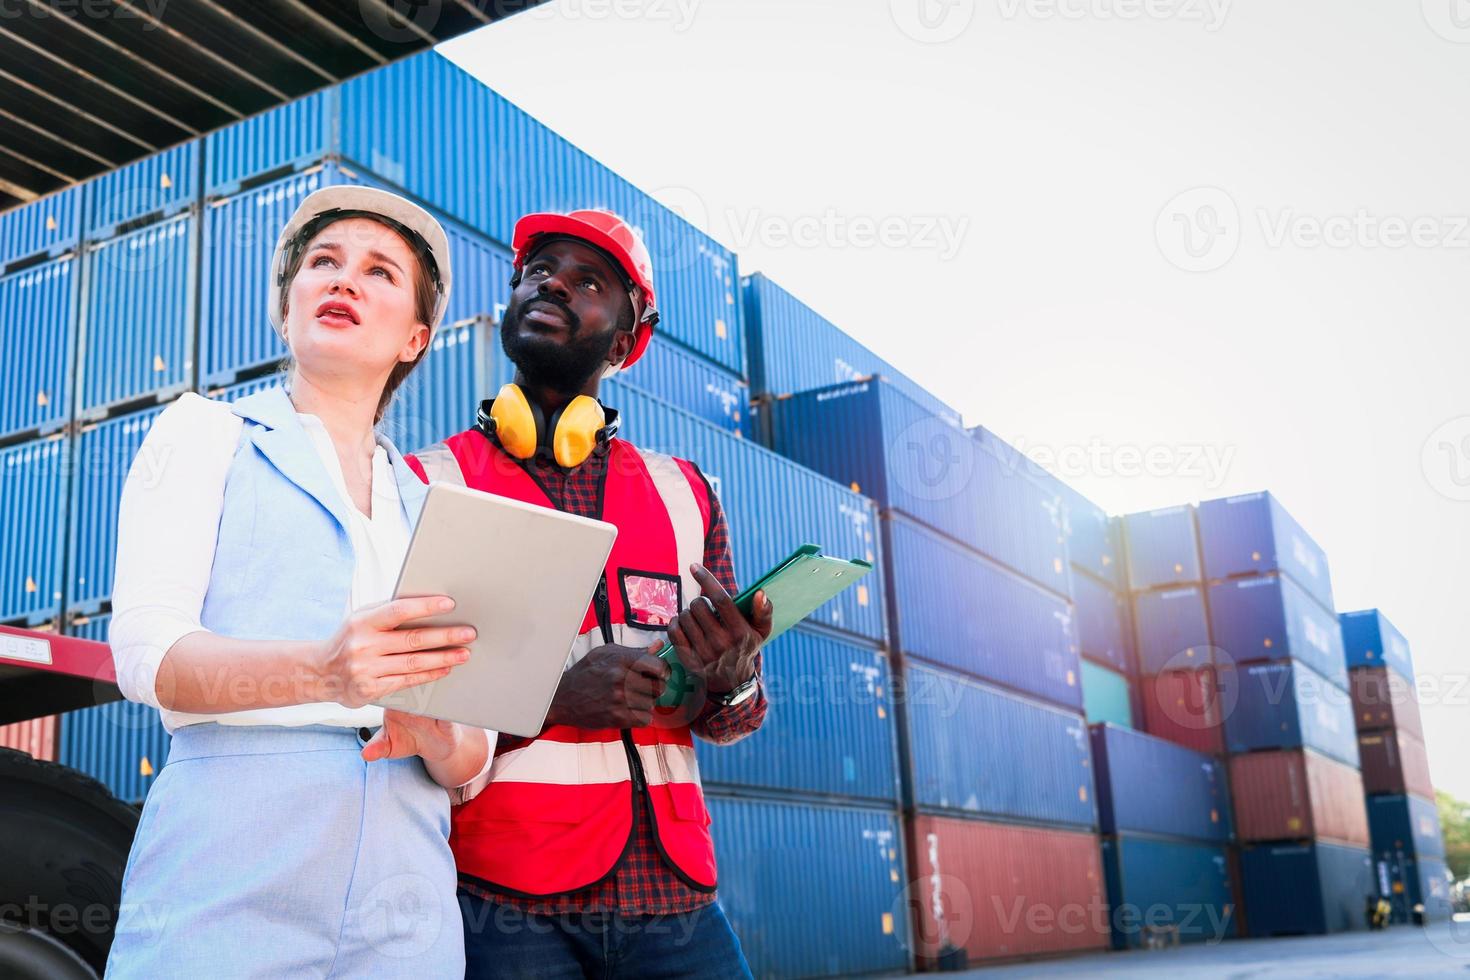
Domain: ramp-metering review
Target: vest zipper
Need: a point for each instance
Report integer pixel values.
(635, 761)
(604, 610)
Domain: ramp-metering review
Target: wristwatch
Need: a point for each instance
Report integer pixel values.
(741, 692)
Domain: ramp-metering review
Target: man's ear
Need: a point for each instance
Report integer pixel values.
(622, 346)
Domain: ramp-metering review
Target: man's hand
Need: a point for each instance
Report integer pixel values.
(612, 687)
(714, 641)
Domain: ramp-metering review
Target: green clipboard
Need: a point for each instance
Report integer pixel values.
(797, 587)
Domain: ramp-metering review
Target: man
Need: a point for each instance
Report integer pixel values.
(586, 851)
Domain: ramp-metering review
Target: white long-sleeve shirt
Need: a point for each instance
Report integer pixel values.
(168, 524)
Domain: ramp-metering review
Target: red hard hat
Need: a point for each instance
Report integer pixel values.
(612, 235)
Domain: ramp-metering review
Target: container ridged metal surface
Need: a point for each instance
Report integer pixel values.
(1383, 699)
(1146, 785)
(1272, 618)
(772, 504)
(1395, 762)
(520, 166)
(677, 375)
(1406, 824)
(47, 226)
(1304, 889)
(1294, 794)
(1286, 705)
(1161, 548)
(1011, 632)
(793, 348)
(871, 436)
(1184, 706)
(239, 235)
(1103, 630)
(1415, 881)
(155, 187)
(38, 311)
(1001, 891)
(1181, 888)
(265, 144)
(1370, 640)
(441, 396)
(137, 327)
(33, 482)
(105, 453)
(1172, 629)
(123, 745)
(829, 729)
(36, 737)
(1106, 696)
(981, 750)
(1094, 540)
(1252, 534)
(811, 890)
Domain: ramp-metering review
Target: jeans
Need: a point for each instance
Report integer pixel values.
(504, 942)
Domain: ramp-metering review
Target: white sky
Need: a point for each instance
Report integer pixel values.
(1050, 141)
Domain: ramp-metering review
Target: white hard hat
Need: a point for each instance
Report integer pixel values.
(418, 226)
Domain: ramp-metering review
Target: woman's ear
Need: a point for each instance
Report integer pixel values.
(417, 341)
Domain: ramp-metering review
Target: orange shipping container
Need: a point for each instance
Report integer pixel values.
(1001, 891)
(1295, 794)
(36, 737)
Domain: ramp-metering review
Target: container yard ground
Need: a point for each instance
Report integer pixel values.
(1440, 950)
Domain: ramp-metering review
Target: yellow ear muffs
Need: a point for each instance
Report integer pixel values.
(516, 424)
(575, 430)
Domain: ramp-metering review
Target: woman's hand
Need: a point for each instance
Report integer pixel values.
(370, 657)
(403, 735)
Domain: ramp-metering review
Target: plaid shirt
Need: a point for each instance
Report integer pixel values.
(643, 884)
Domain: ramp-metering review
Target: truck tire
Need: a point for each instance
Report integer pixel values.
(62, 854)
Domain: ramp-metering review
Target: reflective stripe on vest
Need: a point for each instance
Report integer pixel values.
(556, 815)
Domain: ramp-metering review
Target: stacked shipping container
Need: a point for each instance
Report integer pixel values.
(1403, 820)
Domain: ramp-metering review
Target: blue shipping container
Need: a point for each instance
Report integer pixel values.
(38, 314)
(1422, 881)
(152, 188)
(1286, 705)
(1252, 534)
(441, 396)
(1272, 618)
(105, 453)
(1094, 540)
(1304, 889)
(1370, 640)
(33, 478)
(874, 438)
(829, 729)
(772, 505)
(1161, 548)
(1146, 785)
(953, 607)
(793, 348)
(122, 745)
(138, 321)
(1173, 630)
(812, 890)
(1405, 825)
(978, 749)
(681, 377)
(1102, 623)
(270, 144)
(1183, 887)
(48, 226)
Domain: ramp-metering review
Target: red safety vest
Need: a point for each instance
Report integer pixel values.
(557, 815)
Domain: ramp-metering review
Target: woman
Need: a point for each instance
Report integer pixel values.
(257, 546)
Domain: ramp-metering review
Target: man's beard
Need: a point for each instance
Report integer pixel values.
(564, 368)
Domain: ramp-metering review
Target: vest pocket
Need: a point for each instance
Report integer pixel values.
(688, 803)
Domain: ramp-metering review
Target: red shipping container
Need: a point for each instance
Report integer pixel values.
(1183, 706)
(36, 737)
(1395, 762)
(1002, 891)
(1382, 699)
(1295, 794)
